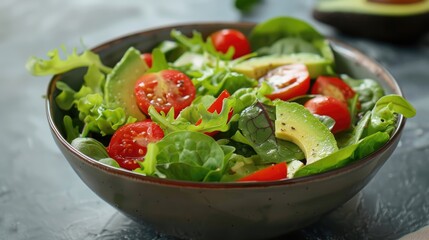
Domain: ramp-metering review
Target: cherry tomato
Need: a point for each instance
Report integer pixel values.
(332, 107)
(226, 38)
(271, 173)
(288, 81)
(164, 90)
(129, 143)
(147, 57)
(217, 106)
(334, 87)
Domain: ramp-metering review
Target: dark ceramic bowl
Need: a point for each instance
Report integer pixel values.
(256, 210)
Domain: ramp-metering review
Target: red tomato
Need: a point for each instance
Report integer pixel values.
(164, 90)
(129, 143)
(226, 38)
(217, 105)
(334, 87)
(288, 81)
(332, 107)
(147, 57)
(271, 173)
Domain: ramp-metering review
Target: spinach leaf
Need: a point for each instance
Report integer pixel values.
(345, 155)
(246, 5)
(239, 166)
(269, 32)
(110, 161)
(288, 45)
(171, 49)
(90, 147)
(186, 155)
(359, 131)
(368, 90)
(257, 125)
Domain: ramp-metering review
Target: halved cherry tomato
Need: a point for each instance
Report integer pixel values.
(147, 57)
(217, 106)
(332, 107)
(271, 173)
(334, 87)
(164, 90)
(129, 143)
(288, 81)
(224, 39)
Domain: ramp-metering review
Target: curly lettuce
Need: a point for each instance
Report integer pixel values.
(96, 116)
(56, 65)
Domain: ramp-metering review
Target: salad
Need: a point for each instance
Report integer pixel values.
(225, 107)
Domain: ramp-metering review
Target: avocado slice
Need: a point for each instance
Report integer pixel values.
(296, 124)
(387, 20)
(119, 87)
(259, 66)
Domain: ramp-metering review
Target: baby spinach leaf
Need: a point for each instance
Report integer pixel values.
(288, 45)
(345, 155)
(90, 147)
(186, 155)
(256, 124)
(368, 90)
(246, 5)
(269, 32)
(240, 166)
(110, 161)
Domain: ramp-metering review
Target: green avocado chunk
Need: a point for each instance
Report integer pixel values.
(403, 22)
(296, 124)
(119, 87)
(259, 66)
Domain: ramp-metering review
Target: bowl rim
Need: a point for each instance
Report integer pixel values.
(337, 45)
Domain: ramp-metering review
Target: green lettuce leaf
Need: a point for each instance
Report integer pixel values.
(197, 44)
(97, 117)
(384, 114)
(56, 65)
(188, 117)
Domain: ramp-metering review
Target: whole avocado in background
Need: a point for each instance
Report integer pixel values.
(396, 21)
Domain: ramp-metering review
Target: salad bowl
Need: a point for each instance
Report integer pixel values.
(234, 210)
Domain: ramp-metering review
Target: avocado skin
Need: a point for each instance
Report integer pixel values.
(395, 29)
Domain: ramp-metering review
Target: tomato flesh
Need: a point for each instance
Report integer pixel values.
(129, 143)
(224, 39)
(332, 107)
(271, 173)
(288, 81)
(334, 87)
(164, 90)
(147, 57)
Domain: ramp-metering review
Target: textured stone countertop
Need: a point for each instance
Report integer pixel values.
(42, 198)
